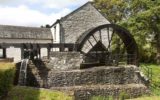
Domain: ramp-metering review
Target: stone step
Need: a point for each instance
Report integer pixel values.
(85, 92)
(91, 76)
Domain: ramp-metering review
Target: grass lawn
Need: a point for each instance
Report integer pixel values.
(6, 66)
(7, 73)
(155, 83)
(147, 98)
(28, 93)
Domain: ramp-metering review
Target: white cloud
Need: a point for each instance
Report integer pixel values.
(56, 4)
(22, 15)
(22, 12)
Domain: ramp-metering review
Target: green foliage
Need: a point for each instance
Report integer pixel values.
(123, 95)
(141, 18)
(102, 98)
(147, 98)
(114, 10)
(7, 72)
(28, 93)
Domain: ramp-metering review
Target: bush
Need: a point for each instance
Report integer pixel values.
(7, 71)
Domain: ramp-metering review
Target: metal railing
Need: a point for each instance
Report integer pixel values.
(147, 71)
(120, 59)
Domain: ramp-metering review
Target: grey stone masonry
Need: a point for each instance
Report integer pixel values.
(92, 76)
(64, 60)
(79, 21)
(86, 83)
(87, 92)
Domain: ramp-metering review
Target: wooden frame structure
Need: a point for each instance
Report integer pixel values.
(125, 35)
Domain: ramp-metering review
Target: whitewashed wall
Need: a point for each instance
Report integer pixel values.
(14, 53)
(43, 52)
(56, 33)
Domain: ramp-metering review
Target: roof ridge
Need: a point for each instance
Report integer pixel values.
(63, 18)
(21, 26)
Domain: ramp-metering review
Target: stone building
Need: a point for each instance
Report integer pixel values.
(65, 30)
(22, 35)
(69, 28)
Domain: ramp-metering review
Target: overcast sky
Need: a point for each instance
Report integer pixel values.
(35, 12)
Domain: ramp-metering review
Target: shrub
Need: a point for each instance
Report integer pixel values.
(7, 71)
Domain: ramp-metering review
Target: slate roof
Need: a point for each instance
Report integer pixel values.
(76, 10)
(21, 32)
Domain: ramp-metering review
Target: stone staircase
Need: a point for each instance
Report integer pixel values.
(37, 73)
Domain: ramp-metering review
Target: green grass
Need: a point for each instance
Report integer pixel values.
(5, 66)
(147, 98)
(28, 93)
(155, 82)
(7, 73)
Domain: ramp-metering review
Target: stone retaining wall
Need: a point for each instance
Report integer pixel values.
(86, 83)
(47, 77)
(86, 92)
(115, 91)
(99, 75)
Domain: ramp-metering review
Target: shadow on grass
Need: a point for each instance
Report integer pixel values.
(23, 93)
(29, 93)
(32, 93)
(42, 72)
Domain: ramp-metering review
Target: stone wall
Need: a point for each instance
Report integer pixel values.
(63, 69)
(62, 72)
(64, 60)
(46, 77)
(114, 91)
(81, 20)
(92, 76)
(86, 92)
(86, 83)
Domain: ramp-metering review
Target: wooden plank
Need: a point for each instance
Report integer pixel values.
(40, 45)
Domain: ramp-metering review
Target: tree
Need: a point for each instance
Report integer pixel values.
(145, 26)
(141, 18)
(114, 10)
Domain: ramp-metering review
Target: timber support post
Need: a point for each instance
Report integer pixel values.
(4, 53)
